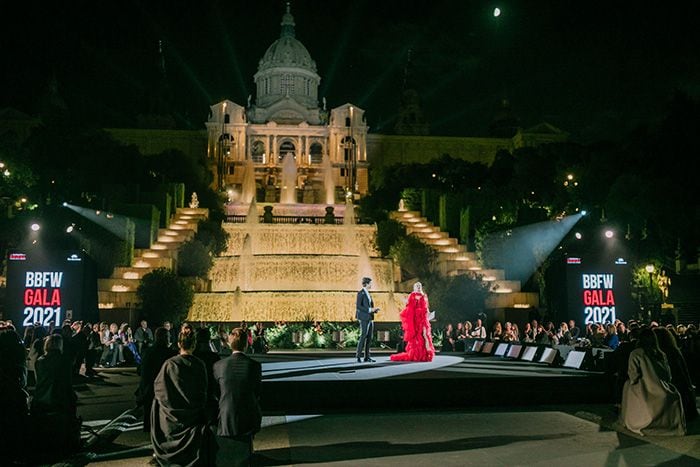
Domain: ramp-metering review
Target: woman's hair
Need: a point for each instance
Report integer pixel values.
(53, 342)
(418, 287)
(186, 339)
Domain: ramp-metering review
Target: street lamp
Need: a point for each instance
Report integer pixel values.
(224, 148)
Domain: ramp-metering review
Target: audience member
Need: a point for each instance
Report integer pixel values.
(238, 380)
(151, 363)
(574, 330)
(680, 376)
(205, 354)
(179, 430)
(13, 394)
(54, 403)
(448, 338)
(479, 330)
(650, 403)
(143, 337)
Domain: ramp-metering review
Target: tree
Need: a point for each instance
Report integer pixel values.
(194, 259)
(164, 296)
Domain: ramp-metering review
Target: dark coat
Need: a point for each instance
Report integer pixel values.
(239, 378)
(151, 363)
(363, 305)
(179, 431)
(54, 386)
(209, 358)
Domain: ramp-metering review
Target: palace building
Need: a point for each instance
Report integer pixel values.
(285, 119)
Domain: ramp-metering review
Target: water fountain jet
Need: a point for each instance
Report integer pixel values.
(328, 182)
(288, 194)
(248, 189)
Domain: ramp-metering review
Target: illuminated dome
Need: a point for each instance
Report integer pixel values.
(287, 51)
(286, 81)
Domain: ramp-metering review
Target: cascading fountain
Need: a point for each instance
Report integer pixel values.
(328, 181)
(248, 189)
(290, 272)
(288, 194)
(245, 262)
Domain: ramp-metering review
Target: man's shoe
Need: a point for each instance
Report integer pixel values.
(369, 359)
(359, 360)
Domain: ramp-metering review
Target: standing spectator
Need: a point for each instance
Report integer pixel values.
(179, 430)
(238, 379)
(143, 336)
(203, 352)
(650, 403)
(151, 363)
(259, 341)
(54, 402)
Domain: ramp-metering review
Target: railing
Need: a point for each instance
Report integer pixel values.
(240, 219)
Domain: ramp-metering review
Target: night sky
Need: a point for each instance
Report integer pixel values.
(594, 69)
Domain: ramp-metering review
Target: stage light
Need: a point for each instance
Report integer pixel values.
(578, 235)
(584, 212)
(65, 204)
(609, 234)
(496, 12)
(70, 228)
(649, 268)
(35, 227)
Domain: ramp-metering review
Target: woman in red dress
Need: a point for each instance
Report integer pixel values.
(416, 328)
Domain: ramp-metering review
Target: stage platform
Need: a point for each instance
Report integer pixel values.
(319, 382)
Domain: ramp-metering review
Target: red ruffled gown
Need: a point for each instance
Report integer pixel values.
(414, 319)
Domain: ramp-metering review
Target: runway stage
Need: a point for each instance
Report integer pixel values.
(317, 382)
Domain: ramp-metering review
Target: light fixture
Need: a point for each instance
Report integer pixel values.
(649, 268)
(609, 234)
(35, 227)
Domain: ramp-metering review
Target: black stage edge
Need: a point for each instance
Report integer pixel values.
(442, 388)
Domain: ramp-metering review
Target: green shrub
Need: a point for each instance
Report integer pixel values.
(164, 296)
(194, 259)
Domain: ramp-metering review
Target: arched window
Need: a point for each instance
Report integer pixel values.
(286, 147)
(257, 152)
(316, 153)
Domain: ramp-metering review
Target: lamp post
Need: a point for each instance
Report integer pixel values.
(650, 270)
(224, 145)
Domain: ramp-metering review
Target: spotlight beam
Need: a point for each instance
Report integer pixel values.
(520, 251)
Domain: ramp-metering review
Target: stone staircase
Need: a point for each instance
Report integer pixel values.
(119, 290)
(454, 259)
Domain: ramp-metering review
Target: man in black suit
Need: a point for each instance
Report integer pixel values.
(364, 313)
(237, 381)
